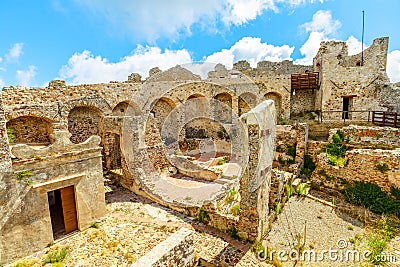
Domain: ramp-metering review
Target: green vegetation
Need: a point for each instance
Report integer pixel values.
(336, 150)
(10, 134)
(235, 209)
(395, 192)
(233, 232)
(278, 209)
(282, 121)
(203, 216)
(223, 160)
(291, 151)
(23, 174)
(258, 249)
(95, 225)
(289, 190)
(309, 166)
(377, 241)
(57, 255)
(372, 197)
(302, 189)
(382, 167)
(231, 196)
(223, 134)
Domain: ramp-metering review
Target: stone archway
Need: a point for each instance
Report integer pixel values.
(246, 102)
(29, 130)
(83, 122)
(277, 98)
(223, 107)
(126, 108)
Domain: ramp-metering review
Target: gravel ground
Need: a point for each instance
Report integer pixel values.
(134, 225)
(320, 229)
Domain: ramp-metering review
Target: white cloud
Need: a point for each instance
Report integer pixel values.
(1, 84)
(238, 12)
(393, 66)
(322, 22)
(354, 45)
(25, 77)
(310, 48)
(322, 28)
(252, 50)
(15, 52)
(159, 18)
(86, 68)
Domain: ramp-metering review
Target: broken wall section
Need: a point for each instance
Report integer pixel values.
(26, 225)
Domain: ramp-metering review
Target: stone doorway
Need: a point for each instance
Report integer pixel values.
(63, 211)
(347, 106)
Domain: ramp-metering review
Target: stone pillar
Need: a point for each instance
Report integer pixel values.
(255, 184)
(235, 105)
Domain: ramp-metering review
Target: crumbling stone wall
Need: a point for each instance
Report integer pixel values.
(291, 146)
(370, 136)
(84, 122)
(302, 101)
(363, 158)
(359, 83)
(112, 151)
(361, 165)
(25, 225)
(30, 130)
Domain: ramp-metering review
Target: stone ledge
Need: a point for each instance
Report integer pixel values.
(176, 250)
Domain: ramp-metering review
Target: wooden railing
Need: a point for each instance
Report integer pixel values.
(383, 118)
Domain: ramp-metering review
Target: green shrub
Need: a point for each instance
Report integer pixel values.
(222, 161)
(291, 150)
(289, 190)
(376, 246)
(278, 209)
(371, 196)
(23, 174)
(395, 192)
(94, 225)
(382, 167)
(203, 216)
(309, 163)
(258, 249)
(234, 233)
(57, 255)
(235, 209)
(336, 150)
(10, 134)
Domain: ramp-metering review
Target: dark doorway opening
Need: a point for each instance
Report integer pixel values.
(56, 213)
(63, 211)
(346, 105)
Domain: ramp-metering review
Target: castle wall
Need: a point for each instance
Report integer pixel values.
(341, 79)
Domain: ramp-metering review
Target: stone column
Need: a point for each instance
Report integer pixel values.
(255, 184)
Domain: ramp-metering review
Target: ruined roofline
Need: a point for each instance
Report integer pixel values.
(341, 48)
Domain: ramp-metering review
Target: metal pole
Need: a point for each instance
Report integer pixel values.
(362, 42)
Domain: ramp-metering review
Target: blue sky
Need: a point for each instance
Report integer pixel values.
(91, 41)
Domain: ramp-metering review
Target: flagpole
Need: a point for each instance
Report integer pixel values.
(362, 41)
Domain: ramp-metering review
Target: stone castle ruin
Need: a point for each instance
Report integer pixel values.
(160, 136)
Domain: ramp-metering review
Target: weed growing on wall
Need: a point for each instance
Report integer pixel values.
(336, 149)
(10, 134)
